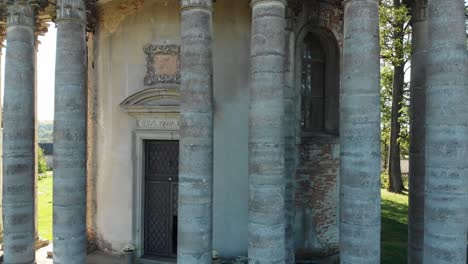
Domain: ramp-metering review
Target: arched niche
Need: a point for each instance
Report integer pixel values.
(318, 76)
(317, 82)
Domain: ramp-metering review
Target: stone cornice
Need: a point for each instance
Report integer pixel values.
(112, 14)
(45, 11)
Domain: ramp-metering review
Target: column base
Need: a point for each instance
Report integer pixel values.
(41, 242)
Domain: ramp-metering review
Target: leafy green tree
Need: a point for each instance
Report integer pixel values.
(396, 48)
(41, 161)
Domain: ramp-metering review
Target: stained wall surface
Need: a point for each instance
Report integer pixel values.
(118, 71)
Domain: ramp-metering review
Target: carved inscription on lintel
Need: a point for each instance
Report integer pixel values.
(158, 123)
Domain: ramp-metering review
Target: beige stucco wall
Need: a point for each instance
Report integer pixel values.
(120, 66)
(118, 70)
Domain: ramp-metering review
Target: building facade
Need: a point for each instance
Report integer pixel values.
(246, 127)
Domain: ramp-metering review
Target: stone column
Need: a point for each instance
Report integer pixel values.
(360, 134)
(1, 153)
(70, 134)
(267, 219)
(196, 134)
(417, 132)
(446, 198)
(289, 136)
(18, 135)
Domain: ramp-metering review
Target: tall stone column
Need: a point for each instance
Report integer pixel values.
(446, 197)
(196, 134)
(18, 135)
(267, 219)
(70, 134)
(360, 134)
(1, 155)
(289, 136)
(417, 132)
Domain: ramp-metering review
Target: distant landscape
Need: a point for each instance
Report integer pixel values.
(45, 131)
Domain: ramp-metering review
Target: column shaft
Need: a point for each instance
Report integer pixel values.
(196, 134)
(360, 134)
(289, 136)
(70, 134)
(18, 135)
(446, 203)
(417, 132)
(267, 220)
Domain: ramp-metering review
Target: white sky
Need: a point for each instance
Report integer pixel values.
(45, 74)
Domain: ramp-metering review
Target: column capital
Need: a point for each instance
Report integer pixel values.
(418, 10)
(345, 2)
(199, 4)
(71, 10)
(21, 13)
(256, 2)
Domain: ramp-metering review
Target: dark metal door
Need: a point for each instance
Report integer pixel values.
(161, 185)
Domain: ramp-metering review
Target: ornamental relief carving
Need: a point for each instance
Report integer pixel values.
(163, 64)
(21, 13)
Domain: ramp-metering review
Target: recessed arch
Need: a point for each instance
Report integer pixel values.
(318, 48)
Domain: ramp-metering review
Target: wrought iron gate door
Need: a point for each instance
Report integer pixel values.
(161, 185)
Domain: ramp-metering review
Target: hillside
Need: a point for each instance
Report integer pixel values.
(45, 131)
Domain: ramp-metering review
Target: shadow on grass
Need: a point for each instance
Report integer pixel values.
(394, 231)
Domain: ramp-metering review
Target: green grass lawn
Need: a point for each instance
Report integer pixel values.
(44, 194)
(394, 228)
(394, 220)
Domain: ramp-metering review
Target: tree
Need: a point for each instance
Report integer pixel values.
(41, 161)
(386, 79)
(396, 48)
(466, 16)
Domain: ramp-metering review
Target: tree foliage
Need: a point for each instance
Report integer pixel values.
(395, 42)
(395, 50)
(41, 161)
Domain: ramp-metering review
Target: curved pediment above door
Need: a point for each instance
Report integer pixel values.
(154, 108)
(152, 100)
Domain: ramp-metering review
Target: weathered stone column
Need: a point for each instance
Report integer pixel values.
(18, 135)
(70, 134)
(1, 155)
(196, 134)
(289, 136)
(360, 134)
(417, 132)
(267, 219)
(446, 198)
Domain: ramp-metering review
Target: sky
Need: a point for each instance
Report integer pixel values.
(45, 75)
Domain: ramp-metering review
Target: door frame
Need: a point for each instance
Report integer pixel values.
(139, 181)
